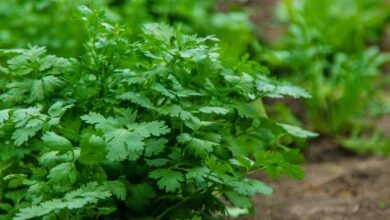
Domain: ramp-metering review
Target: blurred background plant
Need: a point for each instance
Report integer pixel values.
(52, 23)
(329, 50)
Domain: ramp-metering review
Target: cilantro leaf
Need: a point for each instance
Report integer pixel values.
(57, 142)
(123, 144)
(167, 180)
(297, 131)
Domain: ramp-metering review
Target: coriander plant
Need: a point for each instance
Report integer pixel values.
(326, 51)
(154, 128)
(54, 24)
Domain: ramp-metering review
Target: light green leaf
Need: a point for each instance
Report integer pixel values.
(64, 173)
(297, 131)
(168, 180)
(215, 110)
(58, 109)
(250, 187)
(154, 146)
(279, 90)
(137, 99)
(57, 142)
(4, 115)
(123, 144)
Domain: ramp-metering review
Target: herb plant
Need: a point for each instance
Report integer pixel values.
(326, 52)
(154, 128)
(54, 24)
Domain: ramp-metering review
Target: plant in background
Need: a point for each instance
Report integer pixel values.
(325, 52)
(159, 128)
(53, 24)
(334, 23)
(232, 27)
(46, 23)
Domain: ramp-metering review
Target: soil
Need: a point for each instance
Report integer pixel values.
(338, 185)
(261, 13)
(348, 189)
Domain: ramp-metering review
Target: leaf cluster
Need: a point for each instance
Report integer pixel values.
(328, 51)
(155, 128)
(65, 39)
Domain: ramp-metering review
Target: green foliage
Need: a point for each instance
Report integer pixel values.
(326, 51)
(54, 24)
(156, 126)
(28, 22)
(333, 23)
(90, 193)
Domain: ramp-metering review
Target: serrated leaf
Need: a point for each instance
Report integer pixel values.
(250, 187)
(94, 118)
(22, 135)
(147, 129)
(199, 174)
(4, 115)
(196, 146)
(215, 110)
(275, 165)
(246, 110)
(279, 90)
(39, 210)
(117, 188)
(100, 122)
(154, 146)
(123, 144)
(167, 180)
(86, 194)
(64, 173)
(176, 111)
(28, 122)
(162, 90)
(58, 109)
(50, 83)
(137, 99)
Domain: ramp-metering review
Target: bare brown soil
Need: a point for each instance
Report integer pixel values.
(351, 188)
(261, 13)
(337, 186)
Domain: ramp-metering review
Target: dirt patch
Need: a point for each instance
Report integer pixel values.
(349, 189)
(384, 125)
(325, 149)
(261, 14)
